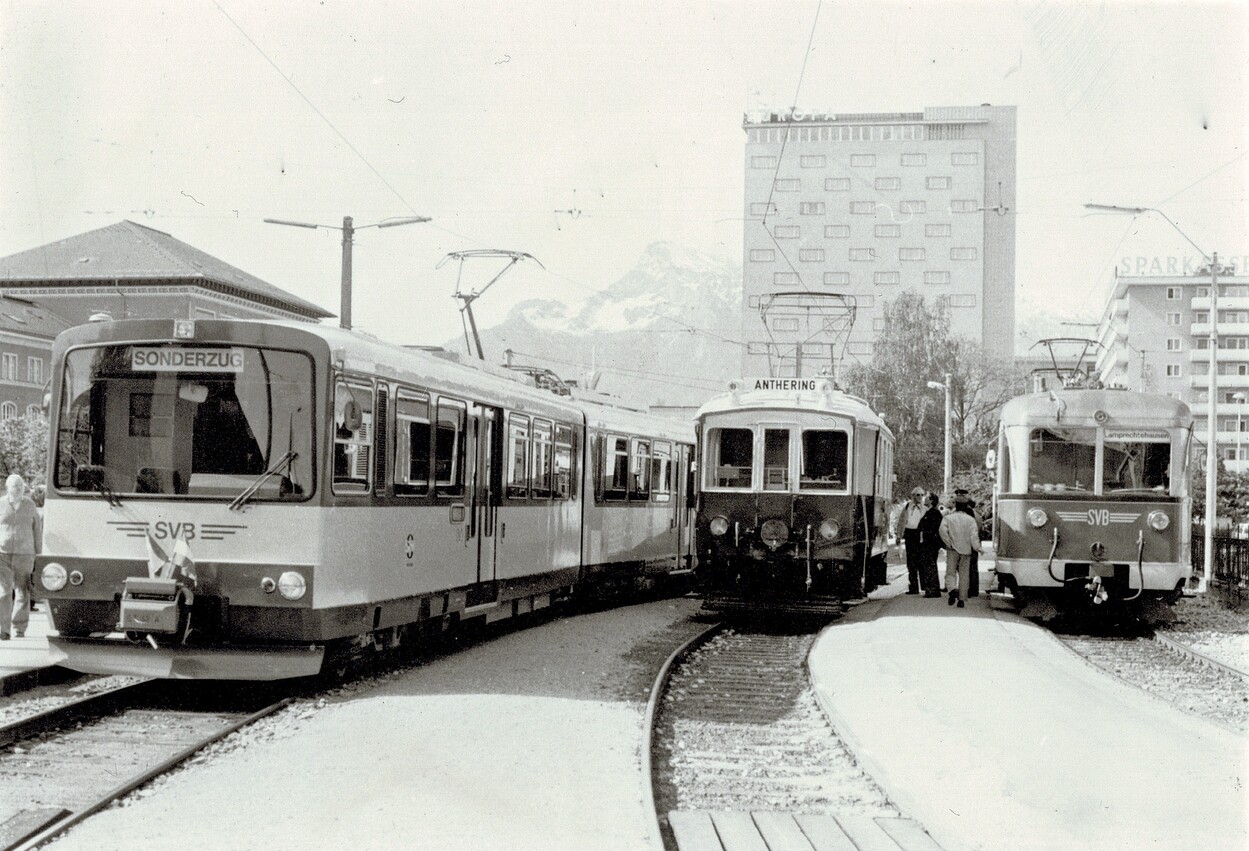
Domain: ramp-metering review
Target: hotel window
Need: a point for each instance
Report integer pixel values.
(1203, 292)
(1173, 370)
(962, 253)
(784, 323)
(937, 183)
(915, 159)
(8, 411)
(865, 301)
(811, 161)
(886, 278)
(756, 348)
(965, 158)
(817, 349)
(837, 231)
(762, 208)
(962, 301)
(788, 184)
(811, 255)
(1174, 318)
(762, 255)
(836, 279)
(1174, 344)
(862, 160)
(1199, 316)
(936, 230)
(964, 205)
(752, 301)
(34, 370)
(786, 232)
(885, 184)
(863, 254)
(837, 184)
(910, 254)
(1174, 293)
(785, 278)
(886, 231)
(763, 162)
(914, 207)
(8, 367)
(811, 208)
(878, 324)
(936, 277)
(32, 410)
(863, 208)
(859, 348)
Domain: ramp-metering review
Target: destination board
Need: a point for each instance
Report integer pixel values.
(153, 359)
(1137, 435)
(803, 385)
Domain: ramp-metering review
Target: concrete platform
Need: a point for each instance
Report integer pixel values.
(987, 730)
(29, 661)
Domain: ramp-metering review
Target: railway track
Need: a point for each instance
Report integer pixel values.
(60, 766)
(735, 732)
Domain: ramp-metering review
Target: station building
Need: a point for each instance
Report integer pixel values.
(124, 270)
(1155, 334)
(867, 206)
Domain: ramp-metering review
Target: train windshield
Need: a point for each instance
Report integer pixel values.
(825, 460)
(1066, 459)
(1136, 466)
(186, 421)
(730, 457)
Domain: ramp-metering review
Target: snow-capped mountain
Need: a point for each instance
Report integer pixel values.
(663, 333)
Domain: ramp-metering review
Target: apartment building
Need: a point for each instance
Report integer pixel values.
(866, 206)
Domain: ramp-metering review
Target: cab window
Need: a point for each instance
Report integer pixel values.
(825, 460)
(730, 457)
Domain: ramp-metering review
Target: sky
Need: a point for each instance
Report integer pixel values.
(580, 133)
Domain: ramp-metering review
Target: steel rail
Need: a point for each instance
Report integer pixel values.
(1197, 656)
(652, 711)
(60, 825)
(84, 709)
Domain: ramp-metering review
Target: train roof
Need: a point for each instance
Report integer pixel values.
(825, 399)
(357, 351)
(1082, 406)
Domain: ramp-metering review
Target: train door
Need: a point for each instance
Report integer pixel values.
(485, 499)
(680, 498)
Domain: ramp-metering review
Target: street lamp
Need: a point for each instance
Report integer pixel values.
(1239, 399)
(349, 230)
(949, 446)
(1212, 446)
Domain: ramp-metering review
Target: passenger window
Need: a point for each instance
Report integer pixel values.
(640, 470)
(449, 448)
(353, 435)
(518, 458)
(824, 460)
(731, 457)
(563, 467)
(412, 443)
(616, 467)
(661, 473)
(541, 467)
(776, 459)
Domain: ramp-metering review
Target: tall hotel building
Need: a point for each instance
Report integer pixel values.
(870, 205)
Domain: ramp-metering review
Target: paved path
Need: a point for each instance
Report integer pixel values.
(992, 734)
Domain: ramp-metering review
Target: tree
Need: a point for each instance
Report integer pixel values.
(24, 447)
(916, 347)
(1231, 491)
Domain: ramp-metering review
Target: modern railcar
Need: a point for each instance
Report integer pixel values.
(794, 484)
(245, 500)
(1091, 505)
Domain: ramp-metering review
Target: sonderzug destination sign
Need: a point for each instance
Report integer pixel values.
(172, 360)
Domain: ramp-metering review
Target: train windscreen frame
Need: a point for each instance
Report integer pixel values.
(186, 421)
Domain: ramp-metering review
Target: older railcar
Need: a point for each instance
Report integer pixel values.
(1092, 501)
(232, 499)
(795, 479)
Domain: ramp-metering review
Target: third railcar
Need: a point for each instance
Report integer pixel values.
(795, 479)
(1092, 501)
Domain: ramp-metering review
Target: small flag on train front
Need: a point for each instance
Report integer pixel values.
(156, 558)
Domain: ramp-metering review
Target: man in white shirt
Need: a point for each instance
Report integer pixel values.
(908, 521)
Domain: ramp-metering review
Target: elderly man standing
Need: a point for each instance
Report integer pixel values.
(908, 521)
(961, 535)
(21, 535)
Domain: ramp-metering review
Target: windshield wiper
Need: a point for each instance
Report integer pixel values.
(246, 496)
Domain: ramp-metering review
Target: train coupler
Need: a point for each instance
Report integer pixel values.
(155, 606)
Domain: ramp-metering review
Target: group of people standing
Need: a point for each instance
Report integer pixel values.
(927, 525)
(21, 537)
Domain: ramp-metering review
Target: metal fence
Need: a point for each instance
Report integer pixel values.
(1230, 569)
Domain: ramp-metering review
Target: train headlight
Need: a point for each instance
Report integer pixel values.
(291, 585)
(75, 577)
(1037, 518)
(53, 576)
(719, 525)
(829, 529)
(1158, 520)
(774, 533)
